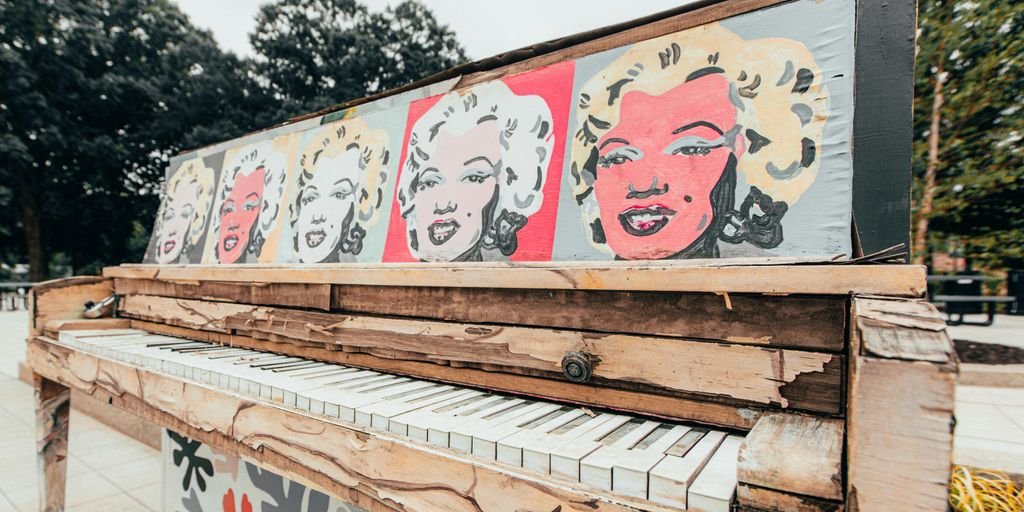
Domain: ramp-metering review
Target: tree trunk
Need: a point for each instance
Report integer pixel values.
(928, 194)
(39, 263)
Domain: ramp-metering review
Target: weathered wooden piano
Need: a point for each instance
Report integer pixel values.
(408, 304)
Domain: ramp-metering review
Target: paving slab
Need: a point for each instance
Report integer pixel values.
(1006, 330)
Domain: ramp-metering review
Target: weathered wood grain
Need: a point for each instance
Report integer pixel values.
(740, 417)
(751, 498)
(794, 453)
(900, 435)
(900, 407)
(53, 405)
(664, 365)
(62, 299)
(317, 296)
(393, 470)
(902, 329)
(714, 276)
(53, 327)
(792, 322)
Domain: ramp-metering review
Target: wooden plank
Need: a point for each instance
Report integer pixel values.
(741, 417)
(751, 498)
(317, 296)
(53, 405)
(883, 123)
(336, 456)
(682, 276)
(787, 378)
(53, 327)
(62, 299)
(900, 435)
(795, 453)
(902, 329)
(793, 322)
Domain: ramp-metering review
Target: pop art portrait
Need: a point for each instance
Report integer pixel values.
(184, 211)
(663, 131)
(340, 191)
(248, 202)
(478, 170)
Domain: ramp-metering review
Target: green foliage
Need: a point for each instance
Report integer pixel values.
(97, 95)
(314, 53)
(981, 166)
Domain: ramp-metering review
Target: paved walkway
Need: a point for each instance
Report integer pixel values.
(107, 471)
(1006, 330)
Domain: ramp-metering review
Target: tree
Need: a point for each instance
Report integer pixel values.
(311, 54)
(968, 127)
(96, 96)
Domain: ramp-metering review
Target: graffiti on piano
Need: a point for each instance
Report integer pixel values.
(232, 485)
(730, 139)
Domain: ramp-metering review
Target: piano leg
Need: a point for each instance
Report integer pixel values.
(53, 405)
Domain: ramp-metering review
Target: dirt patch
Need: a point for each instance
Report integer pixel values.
(988, 353)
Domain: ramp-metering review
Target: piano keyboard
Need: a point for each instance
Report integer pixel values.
(669, 464)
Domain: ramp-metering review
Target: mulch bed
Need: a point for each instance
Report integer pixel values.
(988, 353)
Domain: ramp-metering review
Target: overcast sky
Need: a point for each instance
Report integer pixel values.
(484, 28)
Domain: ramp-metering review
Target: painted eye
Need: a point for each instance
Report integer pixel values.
(424, 185)
(692, 150)
(619, 156)
(475, 178)
(338, 194)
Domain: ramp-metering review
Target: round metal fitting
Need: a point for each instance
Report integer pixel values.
(577, 367)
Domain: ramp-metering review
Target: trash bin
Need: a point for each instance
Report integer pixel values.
(1015, 289)
(967, 286)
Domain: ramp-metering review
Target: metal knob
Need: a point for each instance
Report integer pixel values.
(577, 367)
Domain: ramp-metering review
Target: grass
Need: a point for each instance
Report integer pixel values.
(979, 490)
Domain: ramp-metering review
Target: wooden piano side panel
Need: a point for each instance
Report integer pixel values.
(392, 472)
(62, 299)
(725, 372)
(900, 407)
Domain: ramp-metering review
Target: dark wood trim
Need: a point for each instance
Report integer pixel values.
(883, 122)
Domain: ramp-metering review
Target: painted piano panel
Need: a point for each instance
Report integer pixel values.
(730, 139)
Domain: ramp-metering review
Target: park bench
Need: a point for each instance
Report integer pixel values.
(969, 300)
(555, 373)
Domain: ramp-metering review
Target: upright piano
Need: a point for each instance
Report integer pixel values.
(635, 269)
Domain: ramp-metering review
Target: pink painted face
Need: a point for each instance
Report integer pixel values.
(658, 166)
(454, 191)
(238, 215)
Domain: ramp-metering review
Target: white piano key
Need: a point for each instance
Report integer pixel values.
(382, 394)
(485, 442)
(439, 432)
(382, 413)
(510, 449)
(419, 422)
(399, 424)
(463, 433)
(715, 485)
(629, 473)
(565, 458)
(670, 479)
(364, 415)
(537, 453)
(596, 468)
